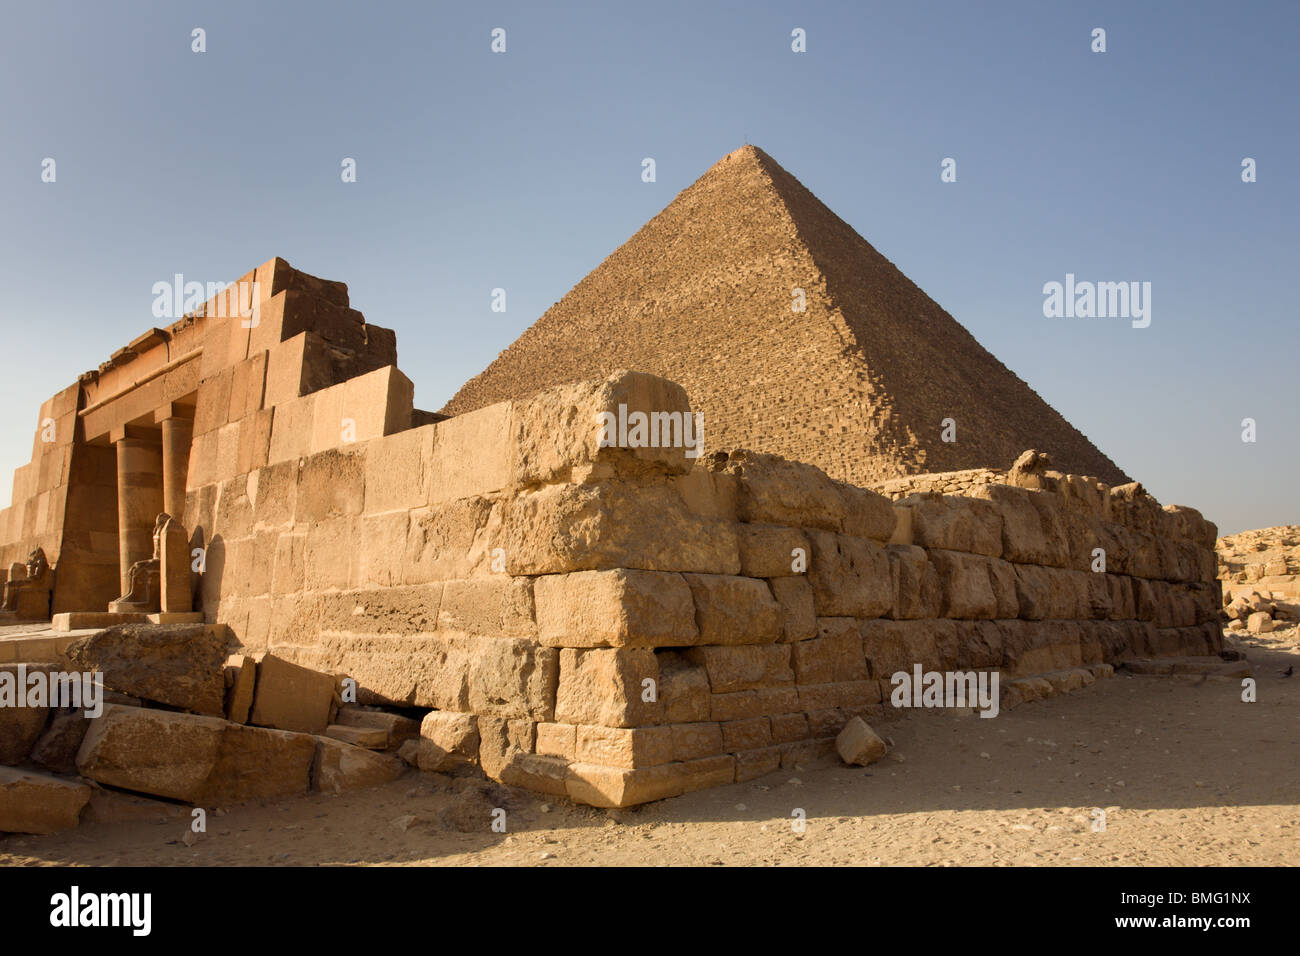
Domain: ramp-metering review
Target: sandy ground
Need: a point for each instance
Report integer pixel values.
(1187, 773)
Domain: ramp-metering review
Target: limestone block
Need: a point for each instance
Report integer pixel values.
(471, 454)
(291, 697)
(953, 523)
(967, 585)
(449, 541)
(447, 740)
(893, 646)
(867, 514)
(858, 744)
(743, 667)
(751, 764)
(794, 598)
(33, 802)
(850, 577)
(683, 688)
(789, 727)
(331, 558)
(915, 583)
(340, 766)
(734, 610)
(557, 740)
(624, 746)
(708, 772)
(601, 786)
(695, 740)
(181, 665)
(496, 606)
(614, 524)
(383, 549)
(394, 727)
(615, 608)
(296, 367)
(607, 687)
(152, 751)
(750, 733)
(772, 490)
(964, 645)
(291, 429)
(369, 738)
(563, 428)
(769, 551)
(411, 670)
(253, 763)
(240, 680)
(330, 485)
(56, 750)
(1002, 577)
(835, 655)
(399, 470)
(512, 677)
(506, 754)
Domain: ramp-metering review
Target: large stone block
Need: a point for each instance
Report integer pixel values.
(834, 655)
(512, 677)
(330, 485)
(850, 577)
(152, 751)
(894, 646)
(772, 490)
(868, 514)
(743, 667)
(954, 523)
(614, 524)
(624, 746)
(339, 766)
(695, 740)
(601, 786)
(292, 697)
(20, 725)
(631, 423)
(608, 687)
(917, 592)
(471, 454)
(181, 665)
(38, 803)
(615, 608)
(254, 763)
(734, 610)
(967, 585)
(451, 540)
(794, 597)
(399, 470)
(495, 606)
(448, 740)
(683, 688)
(771, 551)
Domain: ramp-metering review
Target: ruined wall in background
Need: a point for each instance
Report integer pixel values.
(627, 624)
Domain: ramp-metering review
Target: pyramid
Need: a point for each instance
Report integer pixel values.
(858, 383)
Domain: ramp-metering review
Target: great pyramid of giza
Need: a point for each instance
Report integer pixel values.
(858, 383)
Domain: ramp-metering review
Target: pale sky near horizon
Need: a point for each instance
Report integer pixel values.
(522, 170)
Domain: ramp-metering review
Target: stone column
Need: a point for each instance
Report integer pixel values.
(176, 435)
(139, 496)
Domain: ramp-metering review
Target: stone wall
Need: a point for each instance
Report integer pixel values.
(626, 624)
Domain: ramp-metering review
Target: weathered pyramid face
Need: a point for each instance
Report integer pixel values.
(859, 382)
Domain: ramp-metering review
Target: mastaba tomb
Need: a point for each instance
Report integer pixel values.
(593, 612)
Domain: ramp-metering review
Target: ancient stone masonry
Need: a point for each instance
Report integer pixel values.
(859, 383)
(620, 625)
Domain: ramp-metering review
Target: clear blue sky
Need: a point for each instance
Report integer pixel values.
(522, 170)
